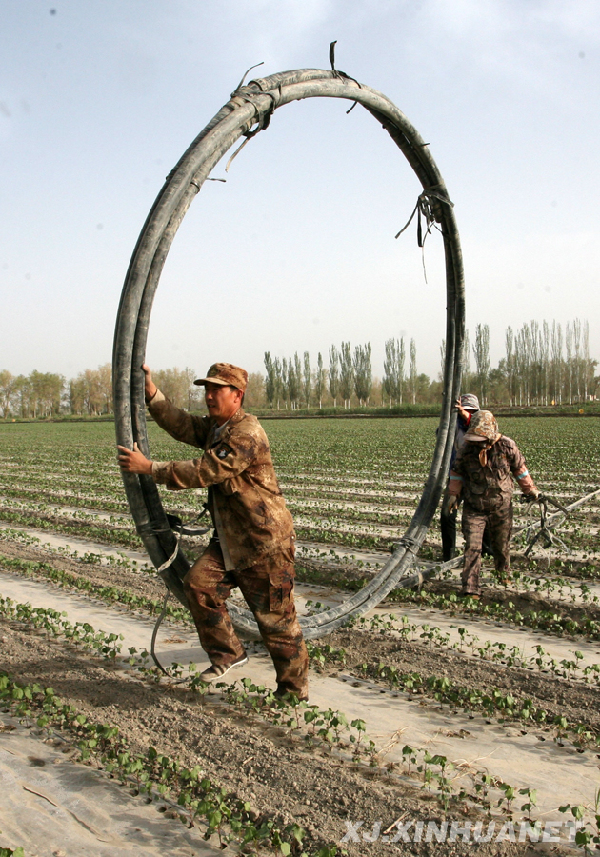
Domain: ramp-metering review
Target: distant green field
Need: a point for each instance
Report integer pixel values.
(555, 448)
(354, 482)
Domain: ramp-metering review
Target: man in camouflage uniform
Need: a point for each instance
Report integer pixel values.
(253, 542)
(483, 471)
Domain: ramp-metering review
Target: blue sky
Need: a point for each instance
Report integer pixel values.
(296, 251)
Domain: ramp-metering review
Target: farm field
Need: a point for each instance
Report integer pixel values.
(448, 712)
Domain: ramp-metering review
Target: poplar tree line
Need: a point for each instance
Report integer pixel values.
(540, 367)
(543, 365)
(289, 382)
(46, 394)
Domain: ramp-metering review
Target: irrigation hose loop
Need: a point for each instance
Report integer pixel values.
(253, 105)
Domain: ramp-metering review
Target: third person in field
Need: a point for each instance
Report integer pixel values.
(482, 475)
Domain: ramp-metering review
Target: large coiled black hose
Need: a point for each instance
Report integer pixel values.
(249, 110)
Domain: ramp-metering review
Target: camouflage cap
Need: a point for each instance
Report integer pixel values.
(469, 402)
(483, 428)
(225, 374)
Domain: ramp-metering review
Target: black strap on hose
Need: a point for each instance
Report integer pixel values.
(336, 71)
(408, 543)
(180, 529)
(153, 641)
(155, 632)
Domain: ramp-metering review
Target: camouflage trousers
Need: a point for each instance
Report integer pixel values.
(448, 530)
(268, 590)
(499, 522)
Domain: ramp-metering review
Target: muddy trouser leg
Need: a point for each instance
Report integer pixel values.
(448, 527)
(500, 531)
(207, 586)
(268, 590)
(473, 525)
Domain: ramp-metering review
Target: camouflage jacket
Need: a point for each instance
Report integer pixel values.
(245, 502)
(490, 487)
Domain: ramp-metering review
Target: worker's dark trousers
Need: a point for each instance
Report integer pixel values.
(473, 527)
(267, 588)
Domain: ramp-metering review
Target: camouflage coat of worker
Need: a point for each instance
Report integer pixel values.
(490, 487)
(245, 502)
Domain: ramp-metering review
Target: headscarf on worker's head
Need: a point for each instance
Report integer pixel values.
(483, 430)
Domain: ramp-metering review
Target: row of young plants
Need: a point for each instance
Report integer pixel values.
(56, 510)
(546, 620)
(444, 691)
(552, 584)
(430, 634)
(116, 559)
(201, 802)
(109, 594)
(340, 492)
(40, 490)
(332, 729)
(575, 568)
(124, 537)
(351, 512)
(555, 587)
(494, 651)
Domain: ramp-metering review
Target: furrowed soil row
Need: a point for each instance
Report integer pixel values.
(506, 690)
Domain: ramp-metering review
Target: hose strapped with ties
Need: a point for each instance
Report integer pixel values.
(180, 529)
(250, 109)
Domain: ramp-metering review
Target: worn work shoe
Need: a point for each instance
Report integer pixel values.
(472, 595)
(217, 671)
(288, 695)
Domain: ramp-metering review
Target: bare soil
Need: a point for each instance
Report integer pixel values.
(271, 767)
(268, 766)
